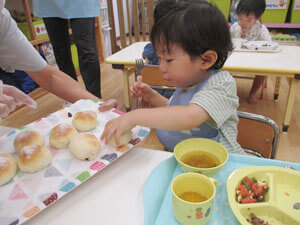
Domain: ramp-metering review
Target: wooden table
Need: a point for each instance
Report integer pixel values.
(284, 63)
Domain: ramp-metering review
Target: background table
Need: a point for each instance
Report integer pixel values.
(285, 63)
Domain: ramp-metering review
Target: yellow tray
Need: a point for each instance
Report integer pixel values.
(282, 205)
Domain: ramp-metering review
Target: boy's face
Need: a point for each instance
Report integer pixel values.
(178, 68)
(246, 22)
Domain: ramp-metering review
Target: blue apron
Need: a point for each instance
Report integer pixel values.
(170, 138)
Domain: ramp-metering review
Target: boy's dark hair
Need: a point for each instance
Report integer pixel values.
(247, 7)
(195, 27)
(162, 7)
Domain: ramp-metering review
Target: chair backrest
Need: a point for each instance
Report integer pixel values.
(152, 75)
(257, 134)
(135, 17)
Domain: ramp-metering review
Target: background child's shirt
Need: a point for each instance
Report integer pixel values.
(258, 32)
(218, 97)
(150, 54)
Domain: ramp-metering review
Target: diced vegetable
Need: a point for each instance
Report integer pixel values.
(251, 190)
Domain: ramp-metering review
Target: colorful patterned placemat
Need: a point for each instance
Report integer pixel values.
(27, 194)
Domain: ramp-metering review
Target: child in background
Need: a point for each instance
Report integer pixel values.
(192, 41)
(249, 27)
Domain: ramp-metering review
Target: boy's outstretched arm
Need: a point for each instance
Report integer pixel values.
(167, 118)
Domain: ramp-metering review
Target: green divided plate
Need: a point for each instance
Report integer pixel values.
(282, 205)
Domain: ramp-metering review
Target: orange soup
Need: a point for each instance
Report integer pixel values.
(200, 159)
(192, 196)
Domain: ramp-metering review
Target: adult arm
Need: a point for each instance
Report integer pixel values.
(16, 52)
(60, 84)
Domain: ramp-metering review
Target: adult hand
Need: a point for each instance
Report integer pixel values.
(143, 92)
(18, 96)
(10, 97)
(4, 111)
(107, 105)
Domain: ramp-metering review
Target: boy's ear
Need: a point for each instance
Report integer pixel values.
(209, 58)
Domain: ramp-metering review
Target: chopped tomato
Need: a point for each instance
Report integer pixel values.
(248, 200)
(251, 190)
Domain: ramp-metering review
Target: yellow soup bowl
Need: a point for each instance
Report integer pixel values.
(201, 145)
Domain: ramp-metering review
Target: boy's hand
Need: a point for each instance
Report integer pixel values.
(143, 92)
(116, 127)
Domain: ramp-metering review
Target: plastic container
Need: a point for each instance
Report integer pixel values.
(39, 28)
(295, 11)
(104, 15)
(223, 5)
(106, 41)
(275, 13)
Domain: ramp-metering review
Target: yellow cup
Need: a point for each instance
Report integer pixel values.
(193, 213)
(203, 145)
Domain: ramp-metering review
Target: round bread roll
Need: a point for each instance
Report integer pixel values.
(84, 146)
(8, 167)
(123, 140)
(60, 135)
(34, 158)
(85, 120)
(27, 138)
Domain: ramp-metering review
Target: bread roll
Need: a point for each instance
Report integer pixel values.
(123, 140)
(84, 146)
(85, 120)
(27, 138)
(8, 167)
(34, 158)
(61, 134)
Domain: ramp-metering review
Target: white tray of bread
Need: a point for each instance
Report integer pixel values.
(46, 159)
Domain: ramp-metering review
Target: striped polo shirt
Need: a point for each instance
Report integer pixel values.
(219, 98)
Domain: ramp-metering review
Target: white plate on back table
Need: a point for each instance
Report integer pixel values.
(256, 46)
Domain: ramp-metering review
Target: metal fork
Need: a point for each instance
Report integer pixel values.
(139, 65)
